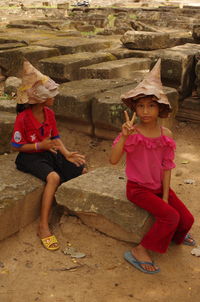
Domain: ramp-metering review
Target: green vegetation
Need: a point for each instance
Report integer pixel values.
(111, 20)
(92, 33)
(132, 16)
(4, 97)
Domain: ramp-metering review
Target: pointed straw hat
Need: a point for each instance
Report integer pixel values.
(150, 86)
(36, 87)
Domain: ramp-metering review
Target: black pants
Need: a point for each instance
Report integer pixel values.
(40, 164)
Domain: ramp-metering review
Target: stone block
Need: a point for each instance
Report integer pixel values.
(104, 206)
(114, 69)
(36, 53)
(75, 44)
(19, 199)
(196, 32)
(108, 110)
(74, 102)
(178, 67)
(11, 45)
(8, 63)
(189, 110)
(7, 120)
(66, 67)
(12, 66)
(145, 40)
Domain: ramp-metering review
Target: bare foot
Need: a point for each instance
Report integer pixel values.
(141, 254)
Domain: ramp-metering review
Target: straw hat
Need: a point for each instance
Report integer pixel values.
(150, 86)
(35, 87)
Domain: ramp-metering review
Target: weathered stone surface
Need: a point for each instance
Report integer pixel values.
(75, 44)
(99, 199)
(26, 36)
(11, 45)
(66, 67)
(108, 110)
(46, 24)
(36, 53)
(114, 69)
(12, 66)
(74, 102)
(145, 40)
(6, 127)
(196, 32)
(7, 105)
(197, 72)
(178, 68)
(8, 63)
(189, 110)
(86, 28)
(19, 198)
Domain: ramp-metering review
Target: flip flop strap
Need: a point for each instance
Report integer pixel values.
(144, 262)
(49, 240)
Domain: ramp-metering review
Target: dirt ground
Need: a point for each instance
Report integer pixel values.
(30, 273)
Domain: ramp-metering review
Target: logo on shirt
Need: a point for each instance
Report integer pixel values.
(33, 137)
(17, 136)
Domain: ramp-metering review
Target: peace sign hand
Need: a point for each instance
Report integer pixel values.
(127, 127)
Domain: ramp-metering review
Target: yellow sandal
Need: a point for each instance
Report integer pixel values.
(49, 241)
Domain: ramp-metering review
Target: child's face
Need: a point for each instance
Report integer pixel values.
(147, 109)
(49, 102)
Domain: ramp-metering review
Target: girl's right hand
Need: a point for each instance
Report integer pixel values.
(47, 144)
(127, 127)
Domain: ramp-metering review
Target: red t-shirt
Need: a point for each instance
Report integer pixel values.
(28, 130)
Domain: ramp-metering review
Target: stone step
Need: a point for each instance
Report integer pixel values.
(189, 110)
(104, 206)
(20, 196)
(114, 69)
(67, 67)
(71, 45)
(7, 120)
(73, 105)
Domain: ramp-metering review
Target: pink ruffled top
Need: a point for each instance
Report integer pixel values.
(147, 158)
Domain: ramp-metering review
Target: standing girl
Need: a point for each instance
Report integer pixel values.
(41, 151)
(149, 159)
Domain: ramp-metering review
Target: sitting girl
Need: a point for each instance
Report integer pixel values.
(41, 151)
(149, 159)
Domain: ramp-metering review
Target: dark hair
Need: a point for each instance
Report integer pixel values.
(164, 109)
(22, 107)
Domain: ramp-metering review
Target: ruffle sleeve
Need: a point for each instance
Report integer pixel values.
(169, 154)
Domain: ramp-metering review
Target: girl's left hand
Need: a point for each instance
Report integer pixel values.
(76, 158)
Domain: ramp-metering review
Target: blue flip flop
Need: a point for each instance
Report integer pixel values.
(138, 264)
(190, 243)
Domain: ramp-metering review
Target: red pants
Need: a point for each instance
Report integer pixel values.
(172, 220)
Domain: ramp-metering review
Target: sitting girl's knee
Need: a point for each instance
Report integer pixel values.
(173, 217)
(53, 178)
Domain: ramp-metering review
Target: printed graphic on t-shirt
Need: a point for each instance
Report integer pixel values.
(33, 137)
(17, 136)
